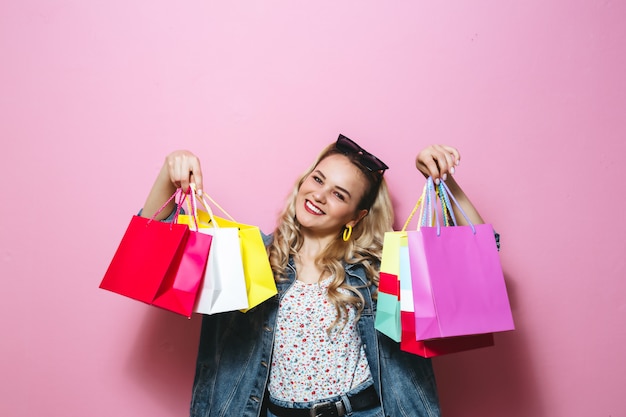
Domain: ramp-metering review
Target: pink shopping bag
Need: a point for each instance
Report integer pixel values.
(432, 347)
(457, 280)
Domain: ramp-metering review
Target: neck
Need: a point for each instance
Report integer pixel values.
(307, 269)
(313, 245)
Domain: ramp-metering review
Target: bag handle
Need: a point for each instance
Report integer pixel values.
(202, 198)
(206, 204)
(456, 203)
(447, 212)
(191, 204)
(445, 197)
(427, 214)
(179, 205)
(163, 206)
(427, 204)
(208, 209)
(424, 204)
(417, 206)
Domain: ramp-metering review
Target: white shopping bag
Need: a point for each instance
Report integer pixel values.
(224, 284)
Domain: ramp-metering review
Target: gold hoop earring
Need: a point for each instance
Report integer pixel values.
(347, 232)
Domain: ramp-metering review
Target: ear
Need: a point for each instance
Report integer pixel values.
(359, 216)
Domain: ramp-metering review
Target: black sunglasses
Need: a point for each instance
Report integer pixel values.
(369, 161)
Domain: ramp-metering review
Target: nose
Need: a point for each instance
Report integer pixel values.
(320, 195)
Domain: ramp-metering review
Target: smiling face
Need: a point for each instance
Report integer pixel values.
(328, 198)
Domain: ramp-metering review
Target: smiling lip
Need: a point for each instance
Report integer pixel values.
(313, 209)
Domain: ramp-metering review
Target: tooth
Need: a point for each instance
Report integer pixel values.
(312, 207)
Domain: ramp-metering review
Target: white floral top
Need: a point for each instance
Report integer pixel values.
(307, 363)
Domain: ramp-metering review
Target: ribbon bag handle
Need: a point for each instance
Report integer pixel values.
(428, 208)
(191, 205)
(202, 198)
(428, 216)
(419, 205)
(456, 203)
(448, 213)
(445, 198)
(426, 205)
(164, 205)
(206, 205)
(179, 197)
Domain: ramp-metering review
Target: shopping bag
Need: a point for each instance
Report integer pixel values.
(387, 320)
(223, 287)
(433, 347)
(180, 290)
(260, 284)
(388, 307)
(388, 317)
(457, 281)
(159, 263)
(259, 278)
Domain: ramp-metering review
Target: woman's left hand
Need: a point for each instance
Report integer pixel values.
(438, 161)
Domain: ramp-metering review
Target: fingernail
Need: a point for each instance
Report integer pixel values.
(437, 181)
(200, 192)
(444, 177)
(452, 170)
(458, 161)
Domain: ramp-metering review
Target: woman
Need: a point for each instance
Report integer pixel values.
(313, 350)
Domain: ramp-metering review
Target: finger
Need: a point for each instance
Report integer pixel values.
(195, 174)
(443, 159)
(179, 171)
(185, 173)
(454, 154)
(451, 156)
(173, 170)
(428, 166)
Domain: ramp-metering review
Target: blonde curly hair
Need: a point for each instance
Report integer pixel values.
(364, 247)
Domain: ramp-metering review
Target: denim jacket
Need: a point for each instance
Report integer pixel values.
(235, 352)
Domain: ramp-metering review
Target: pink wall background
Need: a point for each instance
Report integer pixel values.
(94, 94)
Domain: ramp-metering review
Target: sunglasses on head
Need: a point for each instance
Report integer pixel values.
(369, 161)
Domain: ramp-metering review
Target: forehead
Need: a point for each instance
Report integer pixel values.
(338, 169)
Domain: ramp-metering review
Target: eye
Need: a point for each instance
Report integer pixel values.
(316, 179)
(340, 196)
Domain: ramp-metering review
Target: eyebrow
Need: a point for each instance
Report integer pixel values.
(321, 174)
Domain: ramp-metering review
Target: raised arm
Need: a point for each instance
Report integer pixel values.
(179, 169)
(440, 162)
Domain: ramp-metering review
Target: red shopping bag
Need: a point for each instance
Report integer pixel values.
(457, 281)
(161, 264)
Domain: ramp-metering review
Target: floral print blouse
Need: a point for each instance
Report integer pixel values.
(308, 363)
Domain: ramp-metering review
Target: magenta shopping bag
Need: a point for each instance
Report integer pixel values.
(180, 289)
(457, 280)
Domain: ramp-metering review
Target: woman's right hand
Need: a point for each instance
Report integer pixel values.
(183, 169)
(180, 169)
